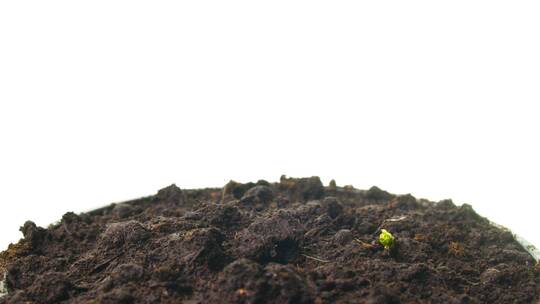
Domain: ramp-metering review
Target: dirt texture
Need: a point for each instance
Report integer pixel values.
(294, 241)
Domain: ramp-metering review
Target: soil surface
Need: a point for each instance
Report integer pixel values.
(295, 241)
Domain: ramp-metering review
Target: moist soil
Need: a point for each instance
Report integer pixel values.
(295, 241)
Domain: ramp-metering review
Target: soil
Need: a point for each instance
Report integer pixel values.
(294, 241)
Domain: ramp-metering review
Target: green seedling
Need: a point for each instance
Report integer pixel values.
(386, 239)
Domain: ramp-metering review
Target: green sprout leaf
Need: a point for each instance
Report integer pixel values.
(386, 239)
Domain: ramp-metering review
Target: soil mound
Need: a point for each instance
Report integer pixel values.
(295, 241)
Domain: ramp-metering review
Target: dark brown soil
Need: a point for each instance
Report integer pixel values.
(289, 242)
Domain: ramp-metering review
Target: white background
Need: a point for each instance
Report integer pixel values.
(103, 101)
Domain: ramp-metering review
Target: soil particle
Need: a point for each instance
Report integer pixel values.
(382, 294)
(124, 295)
(241, 281)
(172, 194)
(258, 195)
(332, 206)
(490, 275)
(121, 211)
(405, 202)
(302, 189)
(32, 234)
(123, 234)
(235, 190)
(275, 238)
(343, 237)
(286, 285)
(245, 281)
(224, 216)
(294, 241)
(332, 185)
(126, 273)
(376, 194)
(50, 287)
(203, 246)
